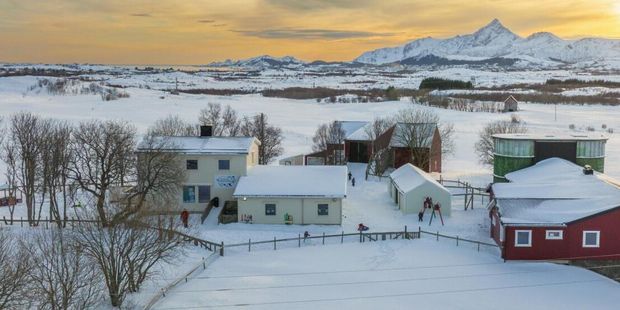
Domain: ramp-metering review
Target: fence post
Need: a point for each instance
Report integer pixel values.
(299, 240)
(249, 244)
(478, 246)
(360, 236)
(437, 235)
(406, 236)
(457, 240)
(222, 249)
(419, 232)
(21, 221)
(342, 237)
(323, 238)
(46, 223)
(274, 243)
(204, 265)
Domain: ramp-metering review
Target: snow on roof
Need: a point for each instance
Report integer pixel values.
(352, 128)
(422, 133)
(206, 145)
(552, 136)
(293, 181)
(408, 177)
(554, 191)
(511, 98)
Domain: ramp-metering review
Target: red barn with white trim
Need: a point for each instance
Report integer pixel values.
(556, 210)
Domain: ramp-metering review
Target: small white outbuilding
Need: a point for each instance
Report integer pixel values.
(409, 186)
(292, 195)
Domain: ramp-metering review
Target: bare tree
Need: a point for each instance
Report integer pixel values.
(329, 138)
(62, 277)
(125, 255)
(25, 135)
(159, 174)
(55, 159)
(103, 156)
(225, 122)
(9, 156)
(172, 125)
(15, 264)
(380, 160)
(231, 125)
(415, 130)
(211, 115)
(485, 147)
(269, 136)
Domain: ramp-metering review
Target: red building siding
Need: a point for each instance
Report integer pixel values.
(571, 246)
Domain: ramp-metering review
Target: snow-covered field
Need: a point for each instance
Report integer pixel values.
(482, 285)
(417, 274)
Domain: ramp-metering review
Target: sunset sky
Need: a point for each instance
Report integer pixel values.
(201, 31)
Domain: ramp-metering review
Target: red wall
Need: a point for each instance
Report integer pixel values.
(570, 247)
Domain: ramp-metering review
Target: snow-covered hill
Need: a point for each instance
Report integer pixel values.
(263, 61)
(494, 40)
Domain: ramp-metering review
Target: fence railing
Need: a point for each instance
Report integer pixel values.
(341, 238)
(276, 243)
(469, 194)
(184, 278)
(71, 223)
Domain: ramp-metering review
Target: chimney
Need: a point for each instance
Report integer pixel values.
(587, 170)
(206, 130)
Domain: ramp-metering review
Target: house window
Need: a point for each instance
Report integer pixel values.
(270, 209)
(191, 164)
(591, 239)
(554, 235)
(523, 238)
(323, 209)
(204, 193)
(189, 194)
(223, 164)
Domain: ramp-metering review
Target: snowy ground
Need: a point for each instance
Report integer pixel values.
(367, 203)
(418, 274)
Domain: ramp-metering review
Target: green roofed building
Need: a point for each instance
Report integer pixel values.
(514, 152)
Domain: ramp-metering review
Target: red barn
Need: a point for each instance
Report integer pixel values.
(556, 210)
(358, 146)
(425, 138)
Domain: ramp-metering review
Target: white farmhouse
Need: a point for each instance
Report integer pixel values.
(213, 165)
(292, 194)
(409, 186)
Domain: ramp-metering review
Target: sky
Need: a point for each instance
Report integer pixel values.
(202, 31)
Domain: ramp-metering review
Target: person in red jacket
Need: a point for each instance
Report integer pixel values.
(185, 217)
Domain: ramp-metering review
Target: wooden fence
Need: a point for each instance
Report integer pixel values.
(469, 194)
(341, 238)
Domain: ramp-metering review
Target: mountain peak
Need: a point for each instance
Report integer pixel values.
(495, 26)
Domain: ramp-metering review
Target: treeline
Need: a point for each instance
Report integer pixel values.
(374, 94)
(552, 98)
(441, 84)
(72, 86)
(102, 174)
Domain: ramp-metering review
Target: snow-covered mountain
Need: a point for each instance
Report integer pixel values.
(263, 61)
(493, 41)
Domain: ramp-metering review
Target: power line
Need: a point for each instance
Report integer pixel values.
(360, 282)
(345, 271)
(442, 292)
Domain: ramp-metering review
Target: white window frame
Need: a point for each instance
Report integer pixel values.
(560, 237)
(598, 239)
(529, 243)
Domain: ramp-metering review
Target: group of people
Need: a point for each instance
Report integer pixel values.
(428, 204)
(352, 179)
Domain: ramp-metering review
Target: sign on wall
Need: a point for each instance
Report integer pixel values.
(225, 181)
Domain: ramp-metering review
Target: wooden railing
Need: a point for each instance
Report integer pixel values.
(470, 191)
